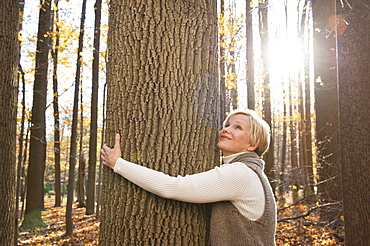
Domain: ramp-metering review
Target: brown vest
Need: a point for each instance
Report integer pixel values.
(229, 227)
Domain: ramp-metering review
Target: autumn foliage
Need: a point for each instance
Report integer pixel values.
(300, 231)
(86, 228)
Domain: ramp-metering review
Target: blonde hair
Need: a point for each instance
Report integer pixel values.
(259, 133)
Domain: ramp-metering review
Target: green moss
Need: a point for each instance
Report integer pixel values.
(32, 220)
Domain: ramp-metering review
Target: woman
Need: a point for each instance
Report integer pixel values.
(243, 205)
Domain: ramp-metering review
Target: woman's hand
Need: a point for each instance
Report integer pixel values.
(110, 156)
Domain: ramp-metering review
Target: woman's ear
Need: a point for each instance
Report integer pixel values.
(252, 147)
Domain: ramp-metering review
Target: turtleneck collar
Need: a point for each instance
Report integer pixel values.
(250, 158)
(229, 158)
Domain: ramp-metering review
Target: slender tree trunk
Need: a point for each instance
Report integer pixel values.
(20, 151)
(98, 202)
(283, 159)
(306, 135)
(81, 180)
(295, 174)
(81, 160)
(250, 56)
(352, 29)
(21, 132)
(73, 147)
(223, 87)
(263, 25)
(90, 202)
(23, 184)
(36, 165)
(9, 50)
(163, 99)
(57, 187)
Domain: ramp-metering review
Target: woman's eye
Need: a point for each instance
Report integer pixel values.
(238, 127)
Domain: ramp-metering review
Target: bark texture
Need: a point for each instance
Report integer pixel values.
(352, 27)
(8, 116)
(163, 98)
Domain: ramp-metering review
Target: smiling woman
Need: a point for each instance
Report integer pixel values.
(243, 205)
(243, 130)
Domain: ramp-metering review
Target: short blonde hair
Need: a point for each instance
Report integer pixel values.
(259, 133)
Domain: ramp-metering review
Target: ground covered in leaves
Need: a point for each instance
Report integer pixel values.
(86, 228)
(305, 230)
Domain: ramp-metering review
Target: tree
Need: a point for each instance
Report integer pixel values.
(224, 106)
(54, 53)
(163, 100)
(326, 106)
(21, 131)
(90, 201)
(73, 146)
(352, 26)
(36, 165)
(250, 56)
(263, 27)
(8, 116)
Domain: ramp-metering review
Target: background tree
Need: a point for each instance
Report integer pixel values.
(354, 104)
(264, 35)
(250, 55)
(326, 107)
(90, 201)
(163, 100)
(36, 165)
(9, 12)
(81, 171)
(54, 54)
(21, 81)
(73, 146)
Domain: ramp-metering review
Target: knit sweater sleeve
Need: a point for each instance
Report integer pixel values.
(222, 183)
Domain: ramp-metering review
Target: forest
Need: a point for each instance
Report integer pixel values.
(164, 75)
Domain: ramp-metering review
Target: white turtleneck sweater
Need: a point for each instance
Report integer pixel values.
(234, 182)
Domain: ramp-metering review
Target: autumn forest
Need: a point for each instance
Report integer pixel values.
(164, 75)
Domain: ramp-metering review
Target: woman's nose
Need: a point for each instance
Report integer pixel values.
(225, 129)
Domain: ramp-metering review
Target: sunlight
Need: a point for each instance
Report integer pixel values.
(285, 57)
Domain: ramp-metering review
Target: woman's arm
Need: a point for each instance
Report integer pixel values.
(219, 184)
(224, 183)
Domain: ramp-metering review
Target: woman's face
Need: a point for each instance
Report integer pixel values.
(234, 137)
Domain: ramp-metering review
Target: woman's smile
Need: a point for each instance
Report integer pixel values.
(234, 136)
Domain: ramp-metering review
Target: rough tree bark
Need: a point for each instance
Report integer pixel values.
(8, 117)
(163, 99)
(352, 28)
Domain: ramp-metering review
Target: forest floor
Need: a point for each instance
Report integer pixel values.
(299, 231)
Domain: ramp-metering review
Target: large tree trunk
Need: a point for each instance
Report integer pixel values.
(163, 100)
(36, 165)
(326, 106)
(354, 105)
(8, 117)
